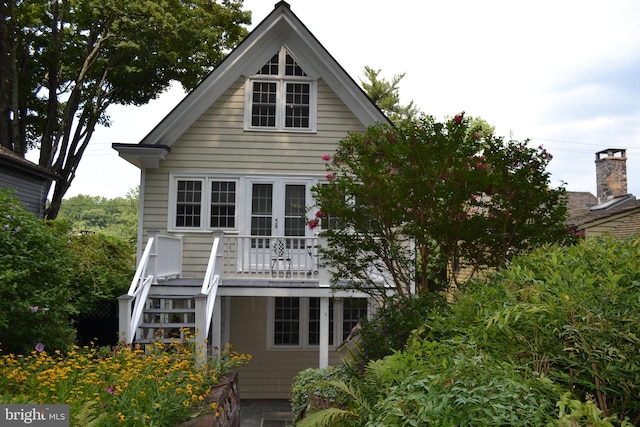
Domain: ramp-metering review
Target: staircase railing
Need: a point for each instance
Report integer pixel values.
(205, 302)
(137, 295)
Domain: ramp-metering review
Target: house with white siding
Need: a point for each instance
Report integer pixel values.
(224, 247)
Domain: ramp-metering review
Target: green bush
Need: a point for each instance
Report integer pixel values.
(310, 392)
(102, 269)
(551, 340)
(35, 275)
(392, 324)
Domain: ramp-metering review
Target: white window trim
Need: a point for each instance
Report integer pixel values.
(281, 79)
(205, 209)
(338, 320)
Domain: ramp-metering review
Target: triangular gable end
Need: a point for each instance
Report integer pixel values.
(280, 29)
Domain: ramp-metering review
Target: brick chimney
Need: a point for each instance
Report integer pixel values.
(611, 173)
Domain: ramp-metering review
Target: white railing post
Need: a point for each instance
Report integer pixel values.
(124, 318)
(152, 266)
(324, 275)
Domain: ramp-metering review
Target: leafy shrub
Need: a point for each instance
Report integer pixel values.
(310, 391)
(551, 340)
(453, 383)
(392, 324)
(35, 274)
(102, 269)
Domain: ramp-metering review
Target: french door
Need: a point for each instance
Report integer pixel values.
(278, 225)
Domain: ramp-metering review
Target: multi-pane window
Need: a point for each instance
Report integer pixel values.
(281, 96)
(263, 113)
(296, 321)
(298, 101)
(196, 199)
(314, 321)
(188, 205)
(353, 310)
(223, 204)
(286, 328)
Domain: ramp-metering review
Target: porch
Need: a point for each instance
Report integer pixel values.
(161, 304)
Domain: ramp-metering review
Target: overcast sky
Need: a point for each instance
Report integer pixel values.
(565, 74)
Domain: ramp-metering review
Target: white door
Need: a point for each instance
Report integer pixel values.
(278, 226)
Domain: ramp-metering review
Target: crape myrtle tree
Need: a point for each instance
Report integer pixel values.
(65, 61)
(406, 203)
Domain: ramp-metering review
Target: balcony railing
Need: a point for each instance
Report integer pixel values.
(262, 257)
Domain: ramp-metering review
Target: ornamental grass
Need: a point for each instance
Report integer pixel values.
(159, 386)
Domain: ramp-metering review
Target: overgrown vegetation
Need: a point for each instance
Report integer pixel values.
(50, 276)
(550, 340)
(122, 386)
(36, 288)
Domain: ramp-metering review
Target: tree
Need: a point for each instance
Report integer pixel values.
(406, 203)
(385, 94)
(116, 217)
(65, 61)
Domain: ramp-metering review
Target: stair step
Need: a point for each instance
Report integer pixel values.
(169, 310)
(166, 325)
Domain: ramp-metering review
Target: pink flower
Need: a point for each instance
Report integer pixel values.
(39, 347)
(33, 308)
(111, 389)
(326, 157)
(313, 223)
(475, 135)
(320, 214)
(457, 119)
(330, 176)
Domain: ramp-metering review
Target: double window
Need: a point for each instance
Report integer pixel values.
(295, 321)
(204, 203)
(281, 96)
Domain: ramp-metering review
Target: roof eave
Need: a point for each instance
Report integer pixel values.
(143, 156)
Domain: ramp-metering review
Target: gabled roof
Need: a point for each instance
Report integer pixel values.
(280, 28)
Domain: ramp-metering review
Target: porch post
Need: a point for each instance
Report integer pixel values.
(216, 327)
(201, 327)
(324, 332)
(124, 318)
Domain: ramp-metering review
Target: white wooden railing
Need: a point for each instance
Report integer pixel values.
(162, 258)
(205, 302)
(273, 258)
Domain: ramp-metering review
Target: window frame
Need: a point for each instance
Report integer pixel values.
(337, 323)
(281, 80)
(205, 202)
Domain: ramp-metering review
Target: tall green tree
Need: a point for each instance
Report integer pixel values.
(117, 217)
(404, 202)
(386, 95)
(65, 61)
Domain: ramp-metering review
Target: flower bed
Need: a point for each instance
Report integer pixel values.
(131, 387)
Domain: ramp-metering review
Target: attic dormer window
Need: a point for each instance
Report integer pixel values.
(281, 96)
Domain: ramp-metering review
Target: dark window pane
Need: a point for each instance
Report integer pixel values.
(286, 328)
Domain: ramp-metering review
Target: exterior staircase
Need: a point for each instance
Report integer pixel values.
(170, 311)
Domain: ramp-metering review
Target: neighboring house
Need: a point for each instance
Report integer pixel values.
(613, 211)
(29, 181)
(225, 188)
